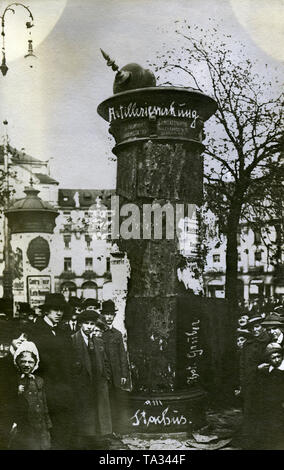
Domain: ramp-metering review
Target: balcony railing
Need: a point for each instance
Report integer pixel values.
(67, 275)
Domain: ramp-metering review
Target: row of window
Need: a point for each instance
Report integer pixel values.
(67, 240)
(257, 257)
(88, 264)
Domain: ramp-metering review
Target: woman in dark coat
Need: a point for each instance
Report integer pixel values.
(31, 413)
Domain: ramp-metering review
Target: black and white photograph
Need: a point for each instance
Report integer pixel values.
(141, 227)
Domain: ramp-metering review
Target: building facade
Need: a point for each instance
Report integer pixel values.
(260, 264)
(86, 263)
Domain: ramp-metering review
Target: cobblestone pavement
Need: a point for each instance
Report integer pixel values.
(219, 433)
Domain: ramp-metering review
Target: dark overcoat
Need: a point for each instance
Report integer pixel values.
(270, 426)
(91, 374)
(117, 356)
(252, 355)
(55, 368)
(31, 416)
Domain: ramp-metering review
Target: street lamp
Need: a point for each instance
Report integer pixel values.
(29, 25)
(7, 278)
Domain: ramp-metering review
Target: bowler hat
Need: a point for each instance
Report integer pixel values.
(91, 303)
(75, 301)
(56, 302)
(108, 307)
(257, 319)
(273, 320)
(88, 315)
(272, 347)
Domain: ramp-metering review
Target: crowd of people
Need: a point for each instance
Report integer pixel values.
(261, 365)
(64, 376)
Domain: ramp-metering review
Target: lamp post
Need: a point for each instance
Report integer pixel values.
(7, 278)
(29, 24)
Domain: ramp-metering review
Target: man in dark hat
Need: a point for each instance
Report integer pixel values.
(274, 323)
(26, 315)
(119, 364)
(91, 376)
(71, 325)
(251, 356)
(55, 350)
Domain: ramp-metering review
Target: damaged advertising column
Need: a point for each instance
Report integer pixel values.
(158, 134)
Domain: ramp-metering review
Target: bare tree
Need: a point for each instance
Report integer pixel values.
(246, 137)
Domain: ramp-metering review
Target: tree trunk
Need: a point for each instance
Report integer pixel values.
(231, 288)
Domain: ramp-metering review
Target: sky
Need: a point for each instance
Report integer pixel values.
(52, 108)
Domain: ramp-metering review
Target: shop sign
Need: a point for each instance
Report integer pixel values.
(38, 287)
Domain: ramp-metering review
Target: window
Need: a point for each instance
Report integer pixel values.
(238, 238)
(88, 240)
(67, 240)
(109, 226)
(67, 264)
(257, 237)
(89, 264)
(87, 196)
(108, 264)
(216, 258)
(257, 256)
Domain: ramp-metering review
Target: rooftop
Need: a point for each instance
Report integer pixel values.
(19, 157)
(45, 179)
(83, 198)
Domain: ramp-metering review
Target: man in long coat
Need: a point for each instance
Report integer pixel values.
(252, 354)
(91, 376)
(119, 366)
(55, 350)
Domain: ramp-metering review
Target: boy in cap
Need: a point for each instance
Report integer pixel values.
(91, 375)
(118, 362)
